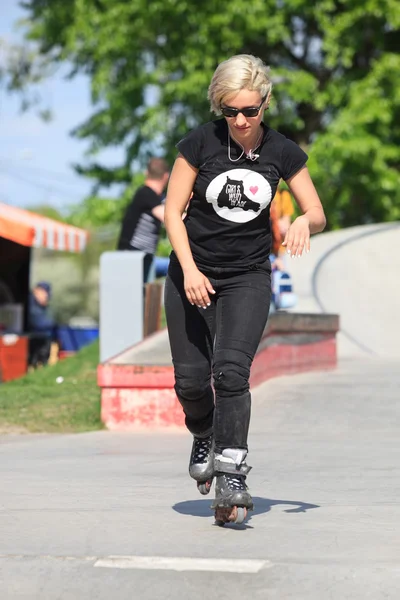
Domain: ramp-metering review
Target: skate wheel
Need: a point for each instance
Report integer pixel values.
(240, 515)
(236, 514)
(221, 516)
(204, 488)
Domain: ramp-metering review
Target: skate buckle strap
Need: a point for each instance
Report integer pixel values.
(224, 466)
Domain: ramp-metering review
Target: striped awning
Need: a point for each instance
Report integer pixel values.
(30, 229)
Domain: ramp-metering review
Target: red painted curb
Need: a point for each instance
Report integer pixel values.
(142, 396)
(128, 409)
(288, 359)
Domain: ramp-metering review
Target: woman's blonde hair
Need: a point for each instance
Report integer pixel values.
(239, 72)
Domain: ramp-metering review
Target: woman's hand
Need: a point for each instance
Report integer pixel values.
(297, 238)
(197, 287)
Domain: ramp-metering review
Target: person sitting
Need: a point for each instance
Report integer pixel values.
(41, 326)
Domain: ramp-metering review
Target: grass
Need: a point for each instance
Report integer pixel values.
(37, 403)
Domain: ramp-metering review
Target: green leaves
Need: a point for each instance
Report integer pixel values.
(335, 66)
(355, 162)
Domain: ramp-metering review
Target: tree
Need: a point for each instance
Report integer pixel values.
(21, 70)
(335, 66)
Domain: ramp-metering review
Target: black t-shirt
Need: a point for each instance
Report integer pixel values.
(140, 228)
(228, 221)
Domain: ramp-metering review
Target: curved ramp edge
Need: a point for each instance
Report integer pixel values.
(354, 273)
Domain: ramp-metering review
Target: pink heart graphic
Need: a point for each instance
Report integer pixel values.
(254, 189)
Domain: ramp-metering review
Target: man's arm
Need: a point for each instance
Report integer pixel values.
(158, 212)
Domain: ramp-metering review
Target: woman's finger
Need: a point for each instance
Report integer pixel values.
(295, 246)
(289, 243)
(202, 298)
(209, 287)
(300, 248)
(189, 297)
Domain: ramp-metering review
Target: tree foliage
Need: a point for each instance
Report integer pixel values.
(335, 64)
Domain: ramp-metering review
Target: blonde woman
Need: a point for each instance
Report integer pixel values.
(218, 287)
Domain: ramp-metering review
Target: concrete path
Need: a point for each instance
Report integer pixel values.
(326, 482)
(105, 515)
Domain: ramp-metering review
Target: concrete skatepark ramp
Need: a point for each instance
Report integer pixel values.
(355, 273)
(347, 273)
(137, 386)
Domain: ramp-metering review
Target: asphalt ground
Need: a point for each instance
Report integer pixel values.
(96, 515)
(103, 514)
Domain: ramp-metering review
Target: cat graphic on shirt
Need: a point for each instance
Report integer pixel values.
(232, 196)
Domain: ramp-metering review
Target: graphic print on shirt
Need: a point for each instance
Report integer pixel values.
(239, 195)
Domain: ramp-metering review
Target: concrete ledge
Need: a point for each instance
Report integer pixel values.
(302, 322)
(137, 385)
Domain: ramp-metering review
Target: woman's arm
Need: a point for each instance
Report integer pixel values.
(180, 187)
(313, 218)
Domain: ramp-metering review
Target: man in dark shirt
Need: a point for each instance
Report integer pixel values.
(143, 217)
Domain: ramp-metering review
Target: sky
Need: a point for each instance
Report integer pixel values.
(35, 156)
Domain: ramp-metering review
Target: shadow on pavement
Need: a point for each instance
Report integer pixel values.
(201, 508)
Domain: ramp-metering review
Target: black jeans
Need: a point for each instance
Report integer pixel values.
(217, 343)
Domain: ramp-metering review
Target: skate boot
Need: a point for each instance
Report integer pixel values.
(232, 498)
(201, 465)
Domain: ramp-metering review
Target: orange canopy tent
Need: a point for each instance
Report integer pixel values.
(30, 229)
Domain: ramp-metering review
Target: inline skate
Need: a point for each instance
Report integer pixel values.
(201, 465)
(232, 498)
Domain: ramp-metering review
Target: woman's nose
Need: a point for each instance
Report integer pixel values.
(240, 120)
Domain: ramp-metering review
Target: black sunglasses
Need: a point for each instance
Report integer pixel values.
(249, 111)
